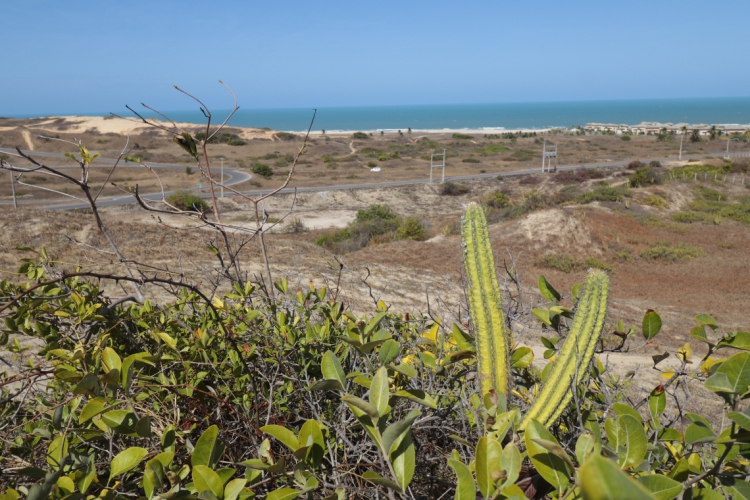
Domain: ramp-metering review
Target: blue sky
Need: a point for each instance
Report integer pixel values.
(96, 56)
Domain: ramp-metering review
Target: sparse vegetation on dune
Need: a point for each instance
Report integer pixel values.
(218, 377)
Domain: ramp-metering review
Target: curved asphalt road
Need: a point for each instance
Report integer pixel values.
(233, 177)
(237, 176)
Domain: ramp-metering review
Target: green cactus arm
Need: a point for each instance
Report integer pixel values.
(576, 352)
(493, 339)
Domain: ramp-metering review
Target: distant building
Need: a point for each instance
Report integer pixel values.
(653, 128)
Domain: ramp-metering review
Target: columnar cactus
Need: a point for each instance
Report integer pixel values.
(494, 340)
(574, 357)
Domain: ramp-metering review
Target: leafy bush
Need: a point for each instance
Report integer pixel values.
(223, 138)
(604, 193)
(326, 158)
(669, 252)
(470, 160)
(644, 176)
(285, 136)
(635, 164)
(453, 189)
(624, 137)
(359, 135)
(411, 229)
(688, 217)
(494, 148)
(655, 200)
(375, 221)
(578, 176)
(496, 200)
(567, 264)
(262, 169)
(184, 200)
(462, 137)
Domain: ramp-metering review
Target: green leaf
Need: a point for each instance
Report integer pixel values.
(699, 432)
(376, 478)
(699, 333)
(551, 467)
(521, 357)
(736, 340)
(206, 479)
(657, 402)
(462, 339)
(311, 437)
(547, 291)
(705, 319)
(404, 369)
(624, 409)
(121, 421)
(126, 460)
(363, 405)
(741, 419)
(283, 494)
(331, 368)
(403, 459)
(110, 359)
(233, 488)
(418, 396)
(488, 456)
(510, 462)
(326, 385)
(651, 324)
(632, 442)
(153, 477)
(94, 407)
(556, 450)
(379, 391)
(737, 488)
(287, 437)
(465, 489)
(732, 376)
(41, 491)
(205, 450)
(389, 351)
(585, 446)
(602, 479)
(396, 430)
(543, 315)
(662, 487)
(374, 322)
(58, 449)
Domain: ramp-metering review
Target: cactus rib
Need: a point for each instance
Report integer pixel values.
(576, 352)
(493, 338)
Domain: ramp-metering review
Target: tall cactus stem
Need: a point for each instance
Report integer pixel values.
(494, 340)
(576, 353)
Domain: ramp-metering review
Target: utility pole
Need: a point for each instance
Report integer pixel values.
(681, 137)
(222, 177)
(13, 189)
(727, 148)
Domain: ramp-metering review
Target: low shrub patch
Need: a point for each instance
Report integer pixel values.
(463, 137)
(453, 189)
(185, 200)
(262, 169)
(470, 160)
(604, 193)
(578, 175)
(644, 176)
(359, 135)
(654, 200)
(567, 264)
(669, 252)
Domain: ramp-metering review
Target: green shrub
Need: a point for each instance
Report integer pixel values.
(411, 229)
(453, 189)
(669, 252)
(654, 200)
(262, 169)
(463, 137)
(236, 142)
(285, 136)
(604, 193)
(383, 157)
(376, 212)
(567, 264)
(687, 217)
(470, 160)
(327, 159)
(644, 176)
(359, 135)
(185, 200)
(624, 137)
(496, 200)
(494, 148)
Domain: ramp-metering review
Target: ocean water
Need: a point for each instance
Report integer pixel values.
(525, 115)
(505, 115)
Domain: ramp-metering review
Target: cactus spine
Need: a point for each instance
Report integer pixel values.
(576, 353)
(493, 339)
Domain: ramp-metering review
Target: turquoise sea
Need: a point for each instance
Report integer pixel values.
(507, 115)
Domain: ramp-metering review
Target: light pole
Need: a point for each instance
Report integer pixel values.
(222, 177)
(13, 189)
(728, 148)
(681, 137)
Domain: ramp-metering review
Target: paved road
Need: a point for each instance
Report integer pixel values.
(233, 177)
(237, 177)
